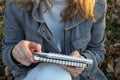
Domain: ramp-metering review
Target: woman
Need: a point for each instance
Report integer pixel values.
(70, 27)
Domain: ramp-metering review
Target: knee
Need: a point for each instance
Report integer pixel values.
(45, 71)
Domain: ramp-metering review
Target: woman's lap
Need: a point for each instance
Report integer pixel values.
(46, 71)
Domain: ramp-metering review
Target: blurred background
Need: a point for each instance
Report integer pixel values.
(111, 64)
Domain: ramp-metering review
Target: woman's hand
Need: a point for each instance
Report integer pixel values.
(74, 71)
(23, 52)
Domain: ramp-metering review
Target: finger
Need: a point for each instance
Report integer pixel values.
(29, 55)
(35, 46)
(75, 54)
(74, 74)
(63, 66)
(24, 61)
(22, 46)
(68, 68)
(80, 69)
(24, 52)
(17, 53)
(21, 60)
(73, 70)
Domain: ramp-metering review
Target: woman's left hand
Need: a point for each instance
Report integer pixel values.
(74, 71)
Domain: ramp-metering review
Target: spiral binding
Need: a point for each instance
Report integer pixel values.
(62, 59)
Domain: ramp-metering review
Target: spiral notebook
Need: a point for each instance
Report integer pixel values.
(62, 59)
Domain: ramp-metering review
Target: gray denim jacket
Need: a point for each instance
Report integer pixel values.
(82, 35)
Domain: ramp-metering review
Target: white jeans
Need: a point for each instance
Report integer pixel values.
(46, 71)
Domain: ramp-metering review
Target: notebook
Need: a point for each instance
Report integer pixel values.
(62, 59)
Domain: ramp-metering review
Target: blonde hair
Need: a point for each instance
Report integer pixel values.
(84, 8)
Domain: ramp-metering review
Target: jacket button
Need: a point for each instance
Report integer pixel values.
(43, 30)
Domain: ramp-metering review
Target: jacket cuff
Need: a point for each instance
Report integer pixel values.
(91, 68)
(13, 64)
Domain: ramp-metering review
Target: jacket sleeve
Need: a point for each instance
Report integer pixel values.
(95, 49)
(13, 34)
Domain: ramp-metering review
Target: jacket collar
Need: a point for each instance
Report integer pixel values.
(72, 24)
(78, 20)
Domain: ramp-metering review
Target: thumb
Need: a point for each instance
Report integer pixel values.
(75, 54)
(35, 46)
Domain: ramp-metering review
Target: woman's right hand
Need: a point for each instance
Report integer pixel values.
(23, 52)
